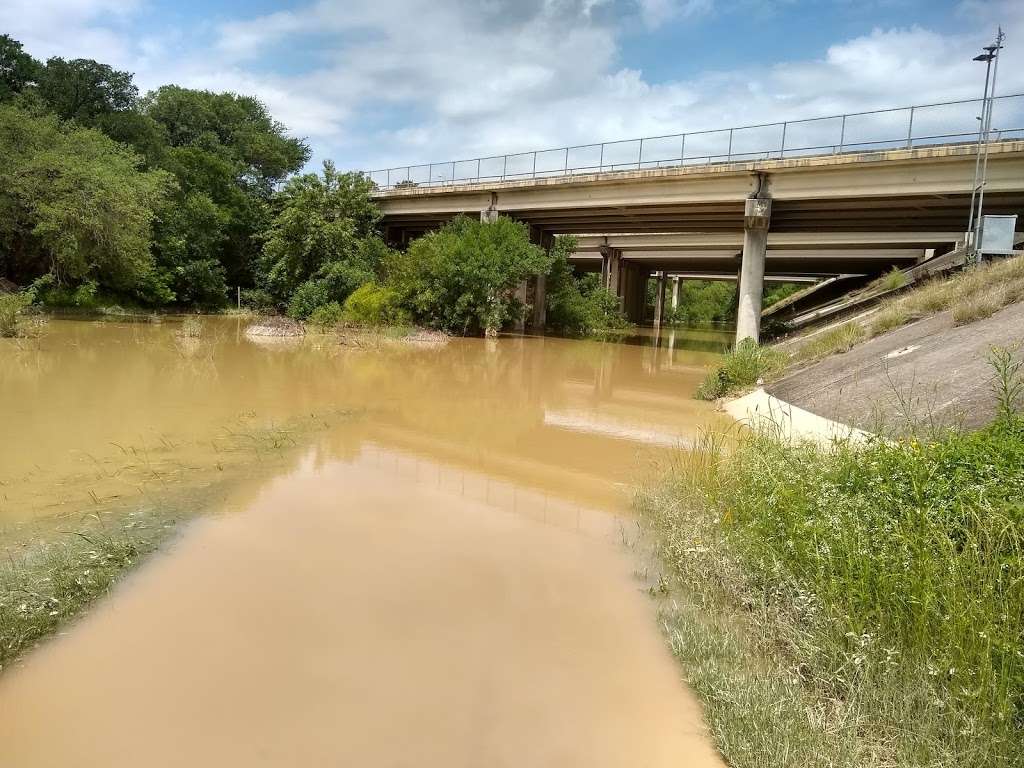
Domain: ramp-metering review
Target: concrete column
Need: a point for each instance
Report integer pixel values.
(540, 309)
(611, 263)
(539, 316)
(675, 292)
(659, 300)
(523, 295)
(756, 216)
(490, 213)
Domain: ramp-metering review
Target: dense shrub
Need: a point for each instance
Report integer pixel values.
(462, 278)
(578, 306)
(327, 315)
(375, 305)
(307, 298)
(322, 244)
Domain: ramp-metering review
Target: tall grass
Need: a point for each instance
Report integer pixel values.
(741, 368)
(972, 295)
(11, 307)
(872, 594)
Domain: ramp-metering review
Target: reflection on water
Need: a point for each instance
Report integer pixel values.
(100, 410)
(422, 564)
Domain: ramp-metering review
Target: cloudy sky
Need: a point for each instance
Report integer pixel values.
(389, 82)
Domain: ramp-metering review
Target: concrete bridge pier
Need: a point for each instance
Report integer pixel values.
(633, 291)
(675, 293)
(659, 300)
(756, 217)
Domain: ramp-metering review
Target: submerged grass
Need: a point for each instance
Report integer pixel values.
(855, 605)
(47, 584)
(51, 571)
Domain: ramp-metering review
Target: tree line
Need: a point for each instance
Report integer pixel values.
(170, 197)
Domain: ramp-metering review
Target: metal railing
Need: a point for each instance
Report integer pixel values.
(948, 122)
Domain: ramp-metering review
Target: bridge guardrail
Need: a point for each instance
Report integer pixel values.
(950, 122)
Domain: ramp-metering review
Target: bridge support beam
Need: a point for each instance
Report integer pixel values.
(659, 300)
(756, 217)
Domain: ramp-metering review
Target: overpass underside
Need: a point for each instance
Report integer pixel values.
(803, 218)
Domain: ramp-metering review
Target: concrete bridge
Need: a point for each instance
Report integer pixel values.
(818, 215)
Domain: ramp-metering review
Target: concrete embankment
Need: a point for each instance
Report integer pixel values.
(930, 371)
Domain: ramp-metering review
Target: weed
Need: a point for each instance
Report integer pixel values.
(842, 338)
(977, 306)
(12, 305)
(890, 281)
(741, 367)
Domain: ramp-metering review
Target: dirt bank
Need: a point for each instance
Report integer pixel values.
(929, 370)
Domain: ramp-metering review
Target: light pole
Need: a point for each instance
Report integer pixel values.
(991, 59)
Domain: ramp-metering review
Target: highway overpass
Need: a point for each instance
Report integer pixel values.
(855, 209)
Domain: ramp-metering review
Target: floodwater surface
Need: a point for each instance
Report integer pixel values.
(401, 556)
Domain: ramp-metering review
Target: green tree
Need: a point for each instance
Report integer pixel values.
(577, 306)
(18, 70)
(323, 243)
(83, 89)
(228, 148)
(462, 278)
(189, 233)
(74, 204)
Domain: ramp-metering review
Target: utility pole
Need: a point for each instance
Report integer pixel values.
(974, 223)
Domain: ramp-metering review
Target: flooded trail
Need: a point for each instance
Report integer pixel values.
(435, 578)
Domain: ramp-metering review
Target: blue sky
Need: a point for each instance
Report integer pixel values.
(373, 82)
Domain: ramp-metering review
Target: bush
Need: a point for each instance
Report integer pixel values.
(375, 305)
(308, 297)
(578, 306)
(326, 316)
(257, 300)
(11, 307)
(462, 278)
(741, 368)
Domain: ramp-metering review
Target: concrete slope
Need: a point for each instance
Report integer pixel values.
(928, 372)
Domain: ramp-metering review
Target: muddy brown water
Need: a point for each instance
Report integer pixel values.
(415, 556)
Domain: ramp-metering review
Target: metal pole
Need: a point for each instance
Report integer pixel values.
(566, 171)
(389, 179)
(910, 130)
(979, 229)
(453, 171)
(729, 156)
(478, 170)
(430, 174)
(535, 165)
(682, 150)
(842, 135)
(977, 157)
(782, 149)
(640, 155)
(504, 168)
(600, 167)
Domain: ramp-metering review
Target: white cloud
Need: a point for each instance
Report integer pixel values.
(421, 80)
